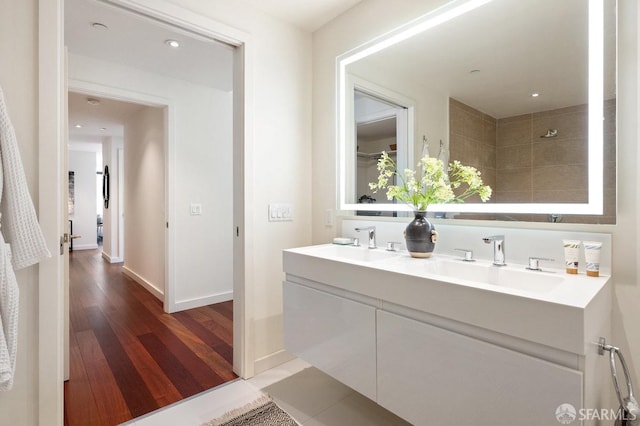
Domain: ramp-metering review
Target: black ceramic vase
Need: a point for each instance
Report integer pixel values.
(420, 236)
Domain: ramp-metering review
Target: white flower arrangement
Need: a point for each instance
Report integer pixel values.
(433, 185)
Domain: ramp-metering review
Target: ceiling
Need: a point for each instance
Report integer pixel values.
(108, 114)
(308, 15)
(140, 43)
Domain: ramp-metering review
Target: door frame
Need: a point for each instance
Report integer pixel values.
(50, 189)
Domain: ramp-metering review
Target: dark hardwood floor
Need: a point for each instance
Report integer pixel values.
(127, 357)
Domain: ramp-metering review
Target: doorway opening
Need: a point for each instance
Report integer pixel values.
(96, 145)
(177, 226)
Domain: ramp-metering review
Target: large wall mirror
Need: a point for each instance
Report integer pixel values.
(523, 90)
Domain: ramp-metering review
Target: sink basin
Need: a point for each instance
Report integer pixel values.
(353, 253)
(449, 268)
(485, 273)
(535, 281)
(539, 282)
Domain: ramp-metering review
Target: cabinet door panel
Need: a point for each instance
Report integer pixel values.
(335, 334)
(431, 376)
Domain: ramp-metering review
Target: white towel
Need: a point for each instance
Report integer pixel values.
(26, 245)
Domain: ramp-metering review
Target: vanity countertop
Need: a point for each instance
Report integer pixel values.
(549, 306)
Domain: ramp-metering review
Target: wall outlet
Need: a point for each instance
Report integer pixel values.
(328, 217)
(195, 209)
(280, 212)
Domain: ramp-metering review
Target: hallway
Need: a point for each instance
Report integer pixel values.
(128, 357)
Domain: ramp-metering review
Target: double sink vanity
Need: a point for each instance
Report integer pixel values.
(441, 340)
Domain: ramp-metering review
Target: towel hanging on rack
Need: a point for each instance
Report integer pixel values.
(21, 242)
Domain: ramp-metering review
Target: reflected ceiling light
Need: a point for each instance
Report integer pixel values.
(172, 43)
(535, 94)
(99, 26)
(93, 101)
(103, 129)
(78, 126)
(436, 17)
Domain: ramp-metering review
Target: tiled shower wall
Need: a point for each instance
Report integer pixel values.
(472, 140)
(535, 169)
(528, 168)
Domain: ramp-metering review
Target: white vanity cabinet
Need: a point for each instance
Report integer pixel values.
(439, 350)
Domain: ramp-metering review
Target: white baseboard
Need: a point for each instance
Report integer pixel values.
(203, 301)
(110, 259)
(272, 360)
(144, 283)
(84, 246)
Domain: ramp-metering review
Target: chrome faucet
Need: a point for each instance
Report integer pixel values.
(372, 235)
(498, 248)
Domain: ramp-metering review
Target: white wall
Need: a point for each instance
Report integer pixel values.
(354, 28)
(626, 237)
(144, 198)
(111, 245)
(19, 81)
(83, 164)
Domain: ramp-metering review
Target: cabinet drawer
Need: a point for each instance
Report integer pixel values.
(333, 333)
(432, 376)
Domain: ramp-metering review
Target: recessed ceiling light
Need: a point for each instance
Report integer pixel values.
(172, 43)
(535, 94)
(93, 101)
(475, 71)
(78, 126)
(99, 26)
(103, 129)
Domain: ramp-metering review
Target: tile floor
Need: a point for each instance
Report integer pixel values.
(311, 397)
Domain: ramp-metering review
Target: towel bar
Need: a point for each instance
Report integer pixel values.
(629, 404)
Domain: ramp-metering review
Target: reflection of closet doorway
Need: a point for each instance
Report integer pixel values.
(380, 125)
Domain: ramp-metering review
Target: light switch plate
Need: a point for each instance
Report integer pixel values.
(195, 209)
(280, 212)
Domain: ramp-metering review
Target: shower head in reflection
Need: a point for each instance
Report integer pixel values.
(551, 133)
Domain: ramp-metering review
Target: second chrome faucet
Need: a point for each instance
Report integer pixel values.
(498, 249)
(372, 235)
